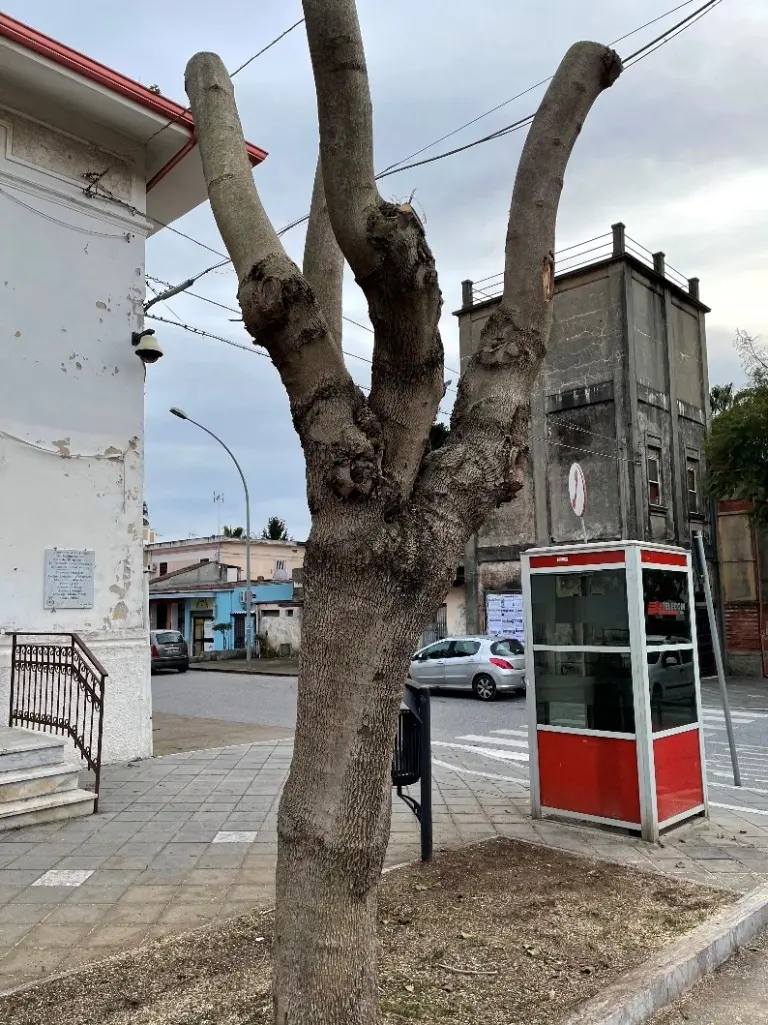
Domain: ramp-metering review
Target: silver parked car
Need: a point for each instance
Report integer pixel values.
(169, 650)
(486, 665)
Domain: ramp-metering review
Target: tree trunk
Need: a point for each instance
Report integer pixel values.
(358, 632)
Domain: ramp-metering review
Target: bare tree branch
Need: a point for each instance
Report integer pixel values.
(384, 244)
(486, 453)
(346, 126)
(323, 259)
(245, 227)
(341, 438)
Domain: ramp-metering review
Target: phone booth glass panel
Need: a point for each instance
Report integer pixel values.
(613, 685)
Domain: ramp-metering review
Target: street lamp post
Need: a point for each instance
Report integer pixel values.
(248, 616)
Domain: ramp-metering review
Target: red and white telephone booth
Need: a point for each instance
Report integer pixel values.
(614, 700)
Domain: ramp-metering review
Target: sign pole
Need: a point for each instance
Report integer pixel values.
(699, 542)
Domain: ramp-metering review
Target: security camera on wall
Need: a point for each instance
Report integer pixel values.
(146, 345)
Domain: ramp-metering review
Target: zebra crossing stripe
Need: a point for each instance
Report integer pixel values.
(494, 740)
(488, 752)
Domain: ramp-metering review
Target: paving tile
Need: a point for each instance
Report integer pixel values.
(95, 894)
(148, 894)
(211, 876)
(191, 915)
(122, 937)
(64, 877)
(11, 934)
(59, 936)
(32, 963)
(76, 914)
(235, 836)
(137, 914)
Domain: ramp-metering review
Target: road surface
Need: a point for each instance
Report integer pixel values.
(471, 736)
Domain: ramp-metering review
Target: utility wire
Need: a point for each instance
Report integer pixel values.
(231, 309)
(248, 348)
(177, 117)
(399, 166)
(518, 96)
(671, 32)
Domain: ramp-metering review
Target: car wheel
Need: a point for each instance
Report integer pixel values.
(183, 669)
(484, 687)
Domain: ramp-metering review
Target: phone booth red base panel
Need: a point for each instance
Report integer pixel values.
(615, 726)
(572, 770)
(679, 776)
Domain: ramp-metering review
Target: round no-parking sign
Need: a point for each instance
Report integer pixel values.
(577, 489)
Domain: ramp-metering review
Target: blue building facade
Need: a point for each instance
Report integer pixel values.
(195, 609)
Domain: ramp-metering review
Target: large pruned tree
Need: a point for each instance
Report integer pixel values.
(390, 514)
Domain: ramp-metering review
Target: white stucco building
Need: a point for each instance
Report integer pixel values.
(91, 164)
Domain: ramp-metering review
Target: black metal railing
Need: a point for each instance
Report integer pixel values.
(613, 244)
(57, 686)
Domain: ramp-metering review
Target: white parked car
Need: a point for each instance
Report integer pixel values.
(486, 665)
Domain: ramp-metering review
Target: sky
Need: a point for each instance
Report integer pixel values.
(677, 150)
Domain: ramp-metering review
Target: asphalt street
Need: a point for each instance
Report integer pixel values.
(473, 737)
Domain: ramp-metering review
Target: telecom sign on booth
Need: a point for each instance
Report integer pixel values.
(613, 685)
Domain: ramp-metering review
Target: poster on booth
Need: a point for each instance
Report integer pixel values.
(504, 615)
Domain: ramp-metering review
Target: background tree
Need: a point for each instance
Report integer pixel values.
(275, 530)
(754, 357)
(737, 451)
(721, 398)
(737, 445)
(390, 517)
(438, 433)
(233, 531)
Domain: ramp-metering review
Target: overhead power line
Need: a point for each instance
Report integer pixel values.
(232, 74)
(634, 58)
(530, 89)
(248, 348)
(231, 309)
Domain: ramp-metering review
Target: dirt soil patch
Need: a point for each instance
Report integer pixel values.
(502, 933)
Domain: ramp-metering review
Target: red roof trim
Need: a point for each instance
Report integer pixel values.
(663, 558)
(75, 61)
(577, 559)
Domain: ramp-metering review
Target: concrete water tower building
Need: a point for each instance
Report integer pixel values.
(624, 392)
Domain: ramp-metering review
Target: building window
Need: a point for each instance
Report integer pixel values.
(163, 568)
(289, 612)
(654, 475)
(280, 564)
(204, 560)
(270, 612)
(692, 484)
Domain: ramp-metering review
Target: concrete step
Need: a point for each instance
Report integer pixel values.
(28, 749)
(20, 784)
(36, 811)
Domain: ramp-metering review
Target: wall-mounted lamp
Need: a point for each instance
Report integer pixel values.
(146, 345)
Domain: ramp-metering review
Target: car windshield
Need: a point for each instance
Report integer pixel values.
(169, 637)
(509, 646)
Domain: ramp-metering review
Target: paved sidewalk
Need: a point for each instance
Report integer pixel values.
(190, 838)
(736, 994)
(257, 666)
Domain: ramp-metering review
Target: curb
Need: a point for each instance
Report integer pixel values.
(667, 975)
(211, 667)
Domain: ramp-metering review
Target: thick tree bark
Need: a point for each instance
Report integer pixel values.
(384, 244)
(361, 617)
(389, 522)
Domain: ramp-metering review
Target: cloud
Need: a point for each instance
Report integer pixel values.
(675, 149)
